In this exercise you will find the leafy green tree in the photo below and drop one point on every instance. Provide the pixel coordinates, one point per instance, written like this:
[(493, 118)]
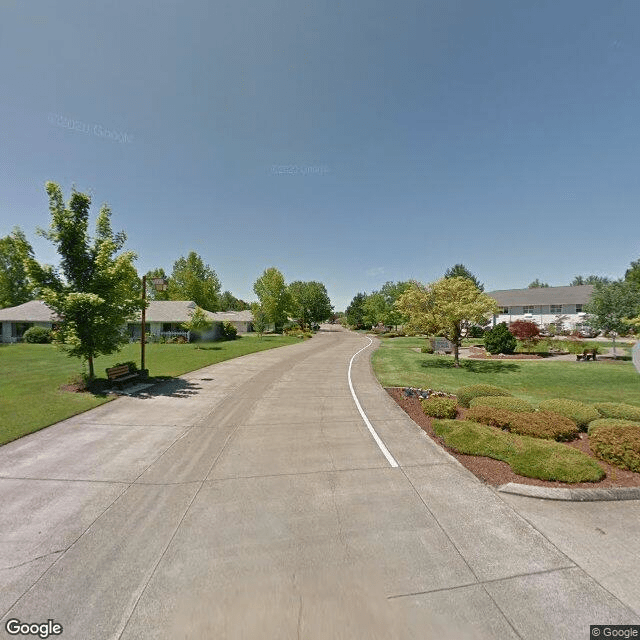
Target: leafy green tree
[(15, 287), (355, 311), (632, 274), (459, 270), (198, 322), (374, 309), (500, 339), (152, 292), (192, 279), (445, 307), (613, 306), (311, 302), (592, 279), (228, 302), (259, 319), (96, 290), (274, 295), (391, 292), (536, 284)]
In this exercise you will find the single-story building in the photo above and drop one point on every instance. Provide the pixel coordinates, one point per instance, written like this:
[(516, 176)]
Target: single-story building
[(560, 306), (241, 320), (16, 320)]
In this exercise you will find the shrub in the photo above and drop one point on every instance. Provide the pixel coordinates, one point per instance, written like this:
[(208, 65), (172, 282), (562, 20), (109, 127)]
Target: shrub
[(501, 402), (582, 414), (426, 349), (492, 417), (618, 410), (475, 331), (610, 422), (37, 335), (500, 339), (544, 424), (618, 445), (467, 394), (229, 331), (530, 457), (440, 407), (527, 331)]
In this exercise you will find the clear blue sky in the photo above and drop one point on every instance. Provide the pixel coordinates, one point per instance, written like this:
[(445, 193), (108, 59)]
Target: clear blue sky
[(347, 142)]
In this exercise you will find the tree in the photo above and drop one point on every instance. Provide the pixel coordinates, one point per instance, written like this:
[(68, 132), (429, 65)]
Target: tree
[(613, 306), (459, 270), (228, 302), (444, 307), (500, 339), (96, 290), (391, 292), (373, 309), (632, 274), (152, 292), (15, 287), (259, 319), (527, 331), (311, 302), (198, 322), (355, 311), (536, 284), (192, 279), (592, 279), (274, 295)]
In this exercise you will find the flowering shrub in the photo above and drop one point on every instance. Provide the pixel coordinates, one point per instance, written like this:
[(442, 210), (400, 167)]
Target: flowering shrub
[(618, 445)]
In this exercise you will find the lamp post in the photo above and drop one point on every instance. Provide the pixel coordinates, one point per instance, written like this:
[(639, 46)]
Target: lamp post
[(159, 284)]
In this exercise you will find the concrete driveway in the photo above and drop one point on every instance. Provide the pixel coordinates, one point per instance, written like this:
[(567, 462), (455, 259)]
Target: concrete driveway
[(250, 500)]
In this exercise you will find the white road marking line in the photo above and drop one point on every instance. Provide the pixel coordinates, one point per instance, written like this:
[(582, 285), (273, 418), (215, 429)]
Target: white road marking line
[(390, 459)]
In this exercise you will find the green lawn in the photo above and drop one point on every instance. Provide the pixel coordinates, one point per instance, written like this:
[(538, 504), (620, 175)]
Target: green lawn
[(396, 364), (32, 374)]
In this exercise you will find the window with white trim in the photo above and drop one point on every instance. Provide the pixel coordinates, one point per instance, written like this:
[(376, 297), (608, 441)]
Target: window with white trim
[(528, 309), (556, 308), (578, 308)]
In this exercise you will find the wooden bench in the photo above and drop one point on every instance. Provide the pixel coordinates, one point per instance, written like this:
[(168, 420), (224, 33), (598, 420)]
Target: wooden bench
[(587, 354), (120, 374)]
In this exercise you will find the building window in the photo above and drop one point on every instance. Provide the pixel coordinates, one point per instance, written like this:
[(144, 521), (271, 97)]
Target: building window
[(504, 310), (556, 308), (527, 309), (578, 308)]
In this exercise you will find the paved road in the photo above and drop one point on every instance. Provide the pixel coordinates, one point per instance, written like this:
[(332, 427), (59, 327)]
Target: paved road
[(249, 500)]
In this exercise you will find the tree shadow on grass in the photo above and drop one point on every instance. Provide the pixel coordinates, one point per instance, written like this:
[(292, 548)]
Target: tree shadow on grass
[(473, 366)]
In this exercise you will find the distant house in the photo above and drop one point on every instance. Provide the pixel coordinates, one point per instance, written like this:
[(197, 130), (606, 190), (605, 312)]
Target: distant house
[(162, 318), (16, 320), (544, 305), (241, 320)]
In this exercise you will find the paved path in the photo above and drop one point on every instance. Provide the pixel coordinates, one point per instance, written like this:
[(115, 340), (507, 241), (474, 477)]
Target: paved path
[(249, 500)]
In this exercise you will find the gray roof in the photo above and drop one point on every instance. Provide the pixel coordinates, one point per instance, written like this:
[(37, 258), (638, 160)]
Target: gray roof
[(33, 311), (542, 296), (233, 316), (172, 311)]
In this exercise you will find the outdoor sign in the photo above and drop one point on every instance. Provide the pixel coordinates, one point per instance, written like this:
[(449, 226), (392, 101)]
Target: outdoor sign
[(635, 353), (441, 344)]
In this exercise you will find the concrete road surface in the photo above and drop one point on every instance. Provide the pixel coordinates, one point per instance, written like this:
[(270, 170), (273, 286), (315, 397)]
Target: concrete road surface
[(250, 500)]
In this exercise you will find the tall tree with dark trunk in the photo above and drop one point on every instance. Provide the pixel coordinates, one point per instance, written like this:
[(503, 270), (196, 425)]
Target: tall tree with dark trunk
[(15, 287)]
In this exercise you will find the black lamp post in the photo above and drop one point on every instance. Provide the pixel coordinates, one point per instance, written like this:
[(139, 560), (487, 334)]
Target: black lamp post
[(159, 284)]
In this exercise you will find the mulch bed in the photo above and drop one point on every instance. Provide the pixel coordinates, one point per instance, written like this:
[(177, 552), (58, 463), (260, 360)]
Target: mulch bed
[(496, 472)]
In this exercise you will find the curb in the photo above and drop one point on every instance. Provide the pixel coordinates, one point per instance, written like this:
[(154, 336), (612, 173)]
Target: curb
[(571, 495)]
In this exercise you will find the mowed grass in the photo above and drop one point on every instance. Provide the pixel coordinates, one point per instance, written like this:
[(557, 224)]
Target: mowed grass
[(31, 376), (397, 364)]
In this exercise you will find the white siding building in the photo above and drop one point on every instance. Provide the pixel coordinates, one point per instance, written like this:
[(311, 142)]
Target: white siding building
[(544, 305), (16, 320)]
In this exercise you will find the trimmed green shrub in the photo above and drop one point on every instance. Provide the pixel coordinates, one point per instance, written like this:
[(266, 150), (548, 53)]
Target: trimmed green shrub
[(426, 349), (618, 410), (500, 339), (37, 335), (617, 445), (530, 457), (440, 407), (582, 414), (544, 424), (536, 424), (610, 422), (467, 394), (501, 402), (229, 331), (492, 417)]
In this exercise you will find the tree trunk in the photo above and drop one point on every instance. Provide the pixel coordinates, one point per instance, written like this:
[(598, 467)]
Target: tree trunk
[(91, 371)]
